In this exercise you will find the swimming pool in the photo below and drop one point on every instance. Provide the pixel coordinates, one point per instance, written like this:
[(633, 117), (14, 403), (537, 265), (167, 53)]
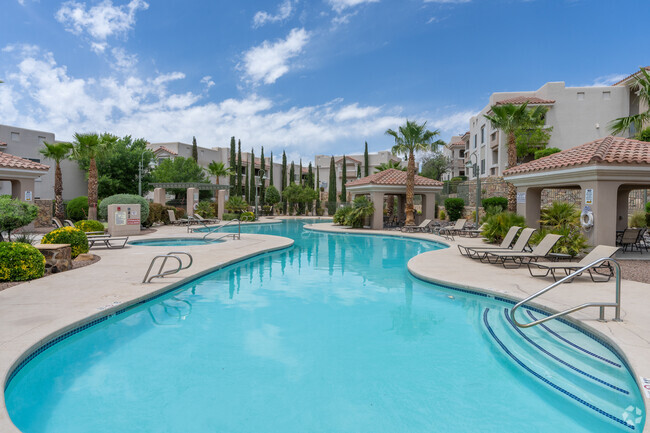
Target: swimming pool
[(174, 242), (331, 335)]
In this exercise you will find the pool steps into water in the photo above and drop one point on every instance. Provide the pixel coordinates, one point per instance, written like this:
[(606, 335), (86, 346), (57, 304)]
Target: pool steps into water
[(567, 361)]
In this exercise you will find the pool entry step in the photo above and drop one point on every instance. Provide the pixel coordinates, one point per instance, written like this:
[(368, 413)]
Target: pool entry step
[(567, 363)]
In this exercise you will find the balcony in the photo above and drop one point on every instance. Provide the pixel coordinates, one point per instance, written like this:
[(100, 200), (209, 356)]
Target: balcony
[(494, 140)]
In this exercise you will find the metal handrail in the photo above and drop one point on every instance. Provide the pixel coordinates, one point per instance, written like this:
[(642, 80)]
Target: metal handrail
[(169, 255), (216, 229), (602, 305)]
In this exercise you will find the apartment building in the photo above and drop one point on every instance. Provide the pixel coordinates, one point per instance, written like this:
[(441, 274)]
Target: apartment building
[(352, 163), (26, 143), (455, 153), (576, 114)]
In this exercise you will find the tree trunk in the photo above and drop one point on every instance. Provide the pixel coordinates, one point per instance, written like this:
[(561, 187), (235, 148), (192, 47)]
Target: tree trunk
[(512, 161), (92, 190), (410, 186), (58, 193)]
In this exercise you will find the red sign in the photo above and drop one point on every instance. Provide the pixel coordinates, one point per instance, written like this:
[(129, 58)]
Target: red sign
[(133, 221)]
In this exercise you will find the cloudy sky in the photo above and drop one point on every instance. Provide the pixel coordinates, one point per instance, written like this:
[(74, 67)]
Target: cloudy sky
[(308, 76)]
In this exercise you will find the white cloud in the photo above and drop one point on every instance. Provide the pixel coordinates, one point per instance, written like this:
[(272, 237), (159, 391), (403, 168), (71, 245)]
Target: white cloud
[(454, 122), (284, 11), (340, 5), (207, 81), (122, 60), (606, 80), (100, 21), (269, 61)]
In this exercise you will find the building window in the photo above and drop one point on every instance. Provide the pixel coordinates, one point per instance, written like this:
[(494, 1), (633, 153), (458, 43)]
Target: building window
[(581, 96), (15, 136), (482, 134), (461, 153), (34, 160), (482, 166), (41, 139), (475, 138), (461, 173), (607, 96)]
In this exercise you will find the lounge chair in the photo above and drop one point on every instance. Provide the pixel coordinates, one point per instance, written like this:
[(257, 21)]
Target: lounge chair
[(202, 220), (505, 244), (449, 232), (57, 222), (108, 241), (632, 239), (520, 246), (423, 227), (598, 252), (472, 233), (522, 258), (174, 221), (68, 223)]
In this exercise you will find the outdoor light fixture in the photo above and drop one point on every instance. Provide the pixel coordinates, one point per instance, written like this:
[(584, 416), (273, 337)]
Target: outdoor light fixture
[(474, 166)]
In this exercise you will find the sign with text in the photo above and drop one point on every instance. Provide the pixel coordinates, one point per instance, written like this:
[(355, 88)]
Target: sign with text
[(589, 196), (521, 197)]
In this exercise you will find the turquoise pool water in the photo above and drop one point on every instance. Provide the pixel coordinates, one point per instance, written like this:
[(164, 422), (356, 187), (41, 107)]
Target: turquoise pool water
[(174, 242), (331, 335)]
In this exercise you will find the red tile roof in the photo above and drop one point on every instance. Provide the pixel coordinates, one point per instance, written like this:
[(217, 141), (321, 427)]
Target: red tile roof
[(531, 100), (2, 143), (392, 176), (647, 68), (12, 161), (609, 150), (171, 152)]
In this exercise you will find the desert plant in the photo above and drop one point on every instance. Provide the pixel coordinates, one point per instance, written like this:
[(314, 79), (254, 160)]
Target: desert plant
[(230, 216), (236, 204), (362, 207), (68, 235), (492, 210), (15, 214), (89, 226), (572, 242), (77, 208), (442, 214), (247, 216), (497, 225), (637, 219), (205, 209), (559, 214), (125, 199), (341, 215), (495, 201), (20, 262), (57, 152), (454, 207), (25, 238)]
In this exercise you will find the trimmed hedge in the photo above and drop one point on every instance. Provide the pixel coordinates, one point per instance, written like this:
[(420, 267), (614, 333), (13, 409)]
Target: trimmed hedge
[(230, 216), (20, 262), (68, 235), (124, 199), (89, 226), (454, 207), (158, 214), (546, 152), (502, 202), (77, 208)]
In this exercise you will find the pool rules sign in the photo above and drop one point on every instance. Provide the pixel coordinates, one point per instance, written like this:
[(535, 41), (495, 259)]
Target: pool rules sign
[(123, 219)]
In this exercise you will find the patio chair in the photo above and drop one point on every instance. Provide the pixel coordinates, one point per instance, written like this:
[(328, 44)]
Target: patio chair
[(202, 220), (472, 233), (108, 241), (522, 258), (174, 221), (505, 244), (68, 223), (599, 252), (57, 223), (423, 227), (631, 239), (520, 246), (449, 231)]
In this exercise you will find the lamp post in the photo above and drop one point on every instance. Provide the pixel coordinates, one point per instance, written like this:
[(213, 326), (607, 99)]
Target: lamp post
[(140, 167), (258, 181), (474, 167)]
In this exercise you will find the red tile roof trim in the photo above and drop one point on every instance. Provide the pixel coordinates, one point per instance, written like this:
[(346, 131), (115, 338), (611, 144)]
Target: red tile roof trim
[(647, 68), (609, 150), (347, 158), (531, 100), (12, 161), (392, 176), (163, 148)]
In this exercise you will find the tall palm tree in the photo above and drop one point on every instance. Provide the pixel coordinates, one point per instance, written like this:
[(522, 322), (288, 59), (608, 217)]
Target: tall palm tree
[(388, 165), (218, 169), (412, 138), (57, 152), (509, 118), (91, 146), (642, 88)]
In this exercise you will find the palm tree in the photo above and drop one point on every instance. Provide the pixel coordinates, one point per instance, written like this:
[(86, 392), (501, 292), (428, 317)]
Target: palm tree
[(57, 152), (412, 138), (91, 146), (388, 165), (642, 87), (509, 118), (218, 169)]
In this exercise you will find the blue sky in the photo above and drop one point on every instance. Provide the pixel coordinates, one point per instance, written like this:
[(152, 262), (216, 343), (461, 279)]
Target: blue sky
[(311, 77)]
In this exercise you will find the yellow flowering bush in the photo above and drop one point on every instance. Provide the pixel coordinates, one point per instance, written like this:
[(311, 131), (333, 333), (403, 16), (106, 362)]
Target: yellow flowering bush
[(89, 226), (68, 235), (20, 262)]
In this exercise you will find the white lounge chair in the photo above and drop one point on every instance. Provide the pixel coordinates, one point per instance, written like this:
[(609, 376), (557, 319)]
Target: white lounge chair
[(423, 227), (522, 258), (598, 252), (505, 244)]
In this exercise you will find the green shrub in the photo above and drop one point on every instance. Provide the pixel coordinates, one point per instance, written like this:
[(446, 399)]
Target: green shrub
[(272, 196), (497, 225), (77, 208), (230, 216), (68, 235), (158, 214), (546, 152), (89, 226), (494, 202), (458, 179), (341, 215), (442, 215), (205, 209), (247, 216), (362, 207), (15, 214), (236, 204), (637, 219), (559, 214), (124, 199), (20, 262), (572, 242), (454, 207), (647, 207), (647, 219)]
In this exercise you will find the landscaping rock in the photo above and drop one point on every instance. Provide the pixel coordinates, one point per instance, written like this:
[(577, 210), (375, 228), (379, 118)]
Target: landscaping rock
[(58, 257), (86, 257)]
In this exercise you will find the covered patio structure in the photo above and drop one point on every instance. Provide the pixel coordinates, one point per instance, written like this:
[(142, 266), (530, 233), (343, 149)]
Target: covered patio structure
[(393, 182), (193, 189), (605, 171), (21, 174)]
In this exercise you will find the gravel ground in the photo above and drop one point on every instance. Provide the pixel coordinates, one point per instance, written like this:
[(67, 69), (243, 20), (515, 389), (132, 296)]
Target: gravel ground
[(75, 265), (635, 270)]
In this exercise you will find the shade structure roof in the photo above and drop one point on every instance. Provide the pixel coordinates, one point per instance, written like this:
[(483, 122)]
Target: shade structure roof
[(530, 100), (165, 149), (16, 162), (393, 180)]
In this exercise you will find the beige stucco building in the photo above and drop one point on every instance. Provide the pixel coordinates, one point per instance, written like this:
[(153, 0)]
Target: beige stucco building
[(455, 153)]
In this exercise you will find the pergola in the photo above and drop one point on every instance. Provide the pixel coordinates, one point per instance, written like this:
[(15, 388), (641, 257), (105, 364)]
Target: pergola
[(605, 170), (393, 182), (192, 193), (21, 173)]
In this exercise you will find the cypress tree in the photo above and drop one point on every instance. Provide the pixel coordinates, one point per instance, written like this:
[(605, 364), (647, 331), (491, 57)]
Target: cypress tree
[(331, 196), (271, 168), (284, 180), (344, 180), (292, 174), (318, 190), (195, 150), (366, 162), (263, 170), (233, 167), (358, 171), (310, 176), (300, 174), (251, 182), (240, 190)]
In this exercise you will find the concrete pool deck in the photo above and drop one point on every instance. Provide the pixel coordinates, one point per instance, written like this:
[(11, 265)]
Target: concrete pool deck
[(448, 267), (32, 313)]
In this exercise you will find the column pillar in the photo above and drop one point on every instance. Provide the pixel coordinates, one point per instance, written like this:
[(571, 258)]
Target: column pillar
[(192, 199), (377, 221), (605, 212), (159, 195), (622, 206), (530, 209), (221, 202), (429, 206)]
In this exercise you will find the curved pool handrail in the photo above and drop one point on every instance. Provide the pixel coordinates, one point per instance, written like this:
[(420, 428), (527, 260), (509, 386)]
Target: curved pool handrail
[(602, 305), (216, 229), (164, 258)]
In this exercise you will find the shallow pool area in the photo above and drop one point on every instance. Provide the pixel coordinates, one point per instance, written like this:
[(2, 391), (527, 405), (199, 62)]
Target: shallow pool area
[(332, 334), (174, 242)]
